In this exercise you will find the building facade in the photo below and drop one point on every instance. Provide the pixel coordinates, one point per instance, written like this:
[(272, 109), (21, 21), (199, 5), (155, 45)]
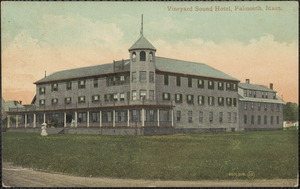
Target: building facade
[(157, 95)]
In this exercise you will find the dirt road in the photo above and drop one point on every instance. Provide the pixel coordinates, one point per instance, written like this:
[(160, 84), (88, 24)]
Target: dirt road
[(14, 176)]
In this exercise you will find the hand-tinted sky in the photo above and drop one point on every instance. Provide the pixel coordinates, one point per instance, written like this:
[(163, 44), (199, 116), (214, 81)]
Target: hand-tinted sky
[(39, 36)]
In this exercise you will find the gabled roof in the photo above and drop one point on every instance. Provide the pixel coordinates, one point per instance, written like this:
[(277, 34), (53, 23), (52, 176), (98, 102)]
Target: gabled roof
[(191, 68), (255, 87), (162, 64), (11, 104), (86, 72), (142, 43)]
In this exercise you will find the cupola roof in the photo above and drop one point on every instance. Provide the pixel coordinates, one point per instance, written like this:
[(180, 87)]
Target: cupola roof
[(142, 43)]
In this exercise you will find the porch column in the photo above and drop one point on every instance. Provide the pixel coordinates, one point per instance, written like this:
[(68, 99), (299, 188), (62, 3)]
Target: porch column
[(25, 120), (8, 121), (158, 117), (34, 120), (172, 116), (143, 117), (17, 121), (128, 117), (100, 118), (75, 119), (44, 118), (65, 119), (88, 119), (114, 119)]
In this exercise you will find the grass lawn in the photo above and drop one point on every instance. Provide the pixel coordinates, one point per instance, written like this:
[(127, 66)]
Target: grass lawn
[(237, 155)]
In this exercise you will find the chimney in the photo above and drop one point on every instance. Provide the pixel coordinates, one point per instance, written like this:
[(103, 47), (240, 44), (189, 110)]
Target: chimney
[(248, 81), (20, 102), (15, 102), (271, 86)]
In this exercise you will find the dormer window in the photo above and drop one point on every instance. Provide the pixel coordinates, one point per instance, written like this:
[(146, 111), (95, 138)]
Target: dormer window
[(142, 56), (133, 57)]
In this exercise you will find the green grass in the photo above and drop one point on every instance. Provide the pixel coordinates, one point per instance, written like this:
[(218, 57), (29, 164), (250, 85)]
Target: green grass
[(268, 154)]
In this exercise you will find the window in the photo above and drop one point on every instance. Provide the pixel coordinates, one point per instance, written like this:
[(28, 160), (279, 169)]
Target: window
[(190, 99), (245, 105), (265, 106), (42, 90), (106, 97), (133, 57), (81, 84), (200, 116), (210, 85), (95, 98), (151, 77), (234, 102), (259, 106), (151, 56), (262, 95), (190, 116), (178, 97), (54, 101), (274, 95), (211, 116), (266, 93), (234, 117), (259, 120), (220, 117), (200, 83), (69, 85), (190, 82), (81, 117), (94, 116), (151, 115), (133, 76), (254, 94), (116, 96), (229, 117), (271, 120), (277, 107), (221, 101), (272, 107), (265, 120), (166, 96), (120, 116), (42, 102), (134, 95), (234, 87), (252, 105), (228, 87), (220, 85), (151, 94), (211, 100), (68, 100), (250, 93), (143, 94), (277, 120), (245, 92), (142, 56), (178, 81), (201, 100), (95, 82), (166, 79), (122, 79), (229, 101), (142, 76), (252, 119), (122, 96), (81, 99), (178, 115), (54, 87), (245, 119)]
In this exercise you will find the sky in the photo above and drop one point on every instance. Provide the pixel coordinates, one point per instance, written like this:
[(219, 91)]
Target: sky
[(260, 45)]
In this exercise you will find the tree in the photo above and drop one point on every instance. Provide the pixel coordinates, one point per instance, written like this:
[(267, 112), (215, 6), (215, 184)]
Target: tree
[(290, 112)]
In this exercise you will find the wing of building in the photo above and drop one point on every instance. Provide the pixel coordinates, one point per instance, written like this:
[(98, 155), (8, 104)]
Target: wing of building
[(144, 94)]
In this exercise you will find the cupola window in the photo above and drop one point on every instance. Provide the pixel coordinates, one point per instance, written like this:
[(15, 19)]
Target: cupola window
[(133, 57), (142, 56), (151, 57)]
